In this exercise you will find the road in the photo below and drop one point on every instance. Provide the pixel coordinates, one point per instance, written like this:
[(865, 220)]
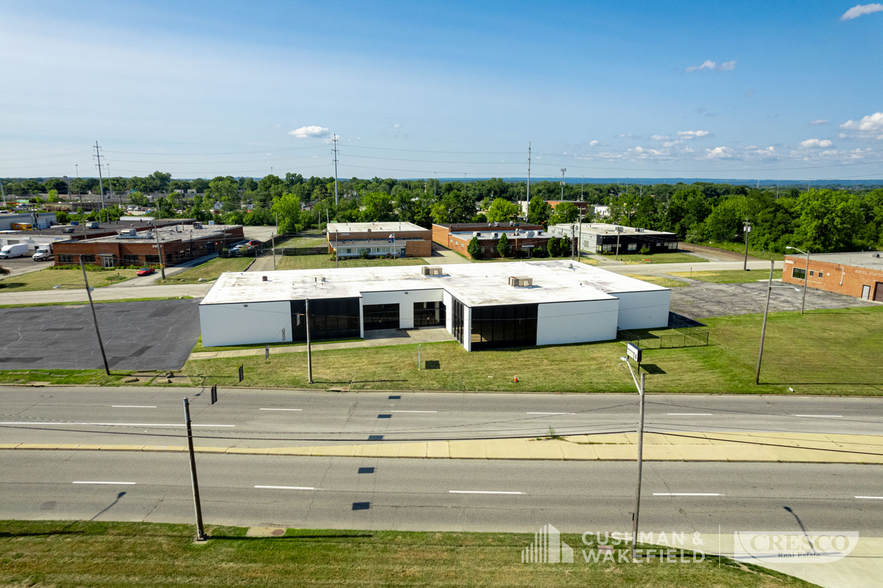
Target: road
[(443, 495), (273, 418)]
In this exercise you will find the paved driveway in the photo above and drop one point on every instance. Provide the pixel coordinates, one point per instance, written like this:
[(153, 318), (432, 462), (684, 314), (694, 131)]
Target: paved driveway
[(151, 335)]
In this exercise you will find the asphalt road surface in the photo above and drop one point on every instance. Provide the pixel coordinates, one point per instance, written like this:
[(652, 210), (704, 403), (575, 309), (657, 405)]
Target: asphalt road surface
[(277, 418), (444, 495), (146, 335)]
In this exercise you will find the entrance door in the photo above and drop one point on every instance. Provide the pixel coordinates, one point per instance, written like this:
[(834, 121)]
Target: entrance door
[(866, 292), (107, 261), (429, 314), (381, 316), (878, 292)]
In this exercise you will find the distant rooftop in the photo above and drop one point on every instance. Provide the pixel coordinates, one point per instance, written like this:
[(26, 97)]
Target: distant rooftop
[(497, 226), (866, 259), (376, 226), (168, 233), (606, 229), (473, 284), (512, 233)]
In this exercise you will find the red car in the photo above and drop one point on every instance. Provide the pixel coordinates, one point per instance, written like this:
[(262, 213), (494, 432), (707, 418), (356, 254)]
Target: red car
[(254, 243), (145, 271)]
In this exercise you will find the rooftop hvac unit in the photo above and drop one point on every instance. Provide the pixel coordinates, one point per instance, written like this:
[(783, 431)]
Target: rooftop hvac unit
[(197, 225), (530, 233), (431, 270), (496, 235), (128, 233), (517, 282), (476, 234)]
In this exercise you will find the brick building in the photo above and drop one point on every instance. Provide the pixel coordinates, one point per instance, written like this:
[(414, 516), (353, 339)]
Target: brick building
[(379, 239), (603, 238), (520, 235), (179, 243), (854, 274)]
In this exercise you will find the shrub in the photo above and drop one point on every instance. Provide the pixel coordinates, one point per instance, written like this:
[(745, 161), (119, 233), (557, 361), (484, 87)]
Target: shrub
[(474, 248), (365, 253), (645, 250)]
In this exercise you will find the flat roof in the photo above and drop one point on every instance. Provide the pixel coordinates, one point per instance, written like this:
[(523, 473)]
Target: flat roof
[(474, 284), (103, 228), (370, 242), (488, 234), (606, 229), (496, 226), (865, 259), (168, 233), (376, 226)]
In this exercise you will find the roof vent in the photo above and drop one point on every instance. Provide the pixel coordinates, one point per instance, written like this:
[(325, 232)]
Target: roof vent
[(522, 282), (530, 233), (431, 270), (263, 278), (876, 255)]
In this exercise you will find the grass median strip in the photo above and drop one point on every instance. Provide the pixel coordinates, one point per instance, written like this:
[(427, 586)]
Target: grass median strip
[(730, 276), (65, 553)]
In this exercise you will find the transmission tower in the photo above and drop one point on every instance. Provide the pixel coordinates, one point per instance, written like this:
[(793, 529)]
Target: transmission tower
[(335, 151), (100, 179)]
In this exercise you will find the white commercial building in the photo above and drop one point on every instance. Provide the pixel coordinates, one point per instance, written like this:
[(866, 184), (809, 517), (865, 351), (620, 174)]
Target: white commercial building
[(485, 306)]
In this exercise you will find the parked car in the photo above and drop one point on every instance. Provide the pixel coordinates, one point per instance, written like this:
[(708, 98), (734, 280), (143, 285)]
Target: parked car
[(254, 242), (17, 250), (145, 271), (67, 230)]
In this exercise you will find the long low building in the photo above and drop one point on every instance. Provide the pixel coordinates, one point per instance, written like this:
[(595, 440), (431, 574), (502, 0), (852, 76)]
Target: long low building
[(604, 238), (485, 306), (858, 274), (379, 239), (456, 237)]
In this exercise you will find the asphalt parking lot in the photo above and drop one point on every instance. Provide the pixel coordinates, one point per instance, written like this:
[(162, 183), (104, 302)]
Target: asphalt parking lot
[(703, 299), (151, 335), (23, 265)]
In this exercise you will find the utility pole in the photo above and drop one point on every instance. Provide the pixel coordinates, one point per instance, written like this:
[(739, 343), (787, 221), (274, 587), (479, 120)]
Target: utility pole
[(563, 169), (109, 182), (581, 186), (94, 316), (335, 151), (200, 532), (640, 467), (763, 329), (3, 193), (579, 253), (274, 240), (747, 229), (100, 181), (572, 241), (309, 351), (162, 266), (528, 175)]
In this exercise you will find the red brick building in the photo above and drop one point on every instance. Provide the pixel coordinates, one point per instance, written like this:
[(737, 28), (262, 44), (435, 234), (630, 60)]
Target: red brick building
[(379, 239), (520, 235), (139, 248), (854, 274)]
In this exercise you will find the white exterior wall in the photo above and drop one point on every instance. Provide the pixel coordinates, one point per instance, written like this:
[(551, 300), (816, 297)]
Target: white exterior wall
[(448, 301), (643, 310), (577, 322), (467, 327), (405, 300), (244, 324)]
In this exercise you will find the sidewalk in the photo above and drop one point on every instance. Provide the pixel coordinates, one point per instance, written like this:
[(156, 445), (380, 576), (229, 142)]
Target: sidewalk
[(106, 293)]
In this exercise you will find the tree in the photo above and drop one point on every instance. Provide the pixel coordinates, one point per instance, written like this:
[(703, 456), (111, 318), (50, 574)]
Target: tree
[(62, 217), (565, 212), (52, 196), (377, 207), (538, 211), (501, 210), (503, 246), (474, 248), (56, 184), (138, 199), (553, 247), (564, 246), (287, 207)]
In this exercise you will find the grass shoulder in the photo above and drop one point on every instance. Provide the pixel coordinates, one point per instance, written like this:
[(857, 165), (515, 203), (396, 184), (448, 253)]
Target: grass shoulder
[(639, 259), (658, 280), (199, 348), (83, 303), (63, 377), (64, 279), (209, 270), (740, 248), (86, 553), (298, 262), (729, 276)]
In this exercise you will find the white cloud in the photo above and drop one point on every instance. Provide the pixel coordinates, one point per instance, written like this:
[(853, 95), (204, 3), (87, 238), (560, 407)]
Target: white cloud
[(659, 137), (593, 143), (671, 143), (719, 153), (861, 10), (871, 124), (314, 131), (712, 65), (816, 143), (692, 134), (821, 121), (396, 125)]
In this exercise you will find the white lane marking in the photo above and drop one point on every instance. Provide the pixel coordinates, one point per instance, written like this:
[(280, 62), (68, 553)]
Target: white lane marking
[(551, 413), (820, 416), (286, 409), (689, 414), (112, 483), (686, 494), (109, 424), (423, 411), (129, 406), (286, 487), (481, 492), (870, 497)]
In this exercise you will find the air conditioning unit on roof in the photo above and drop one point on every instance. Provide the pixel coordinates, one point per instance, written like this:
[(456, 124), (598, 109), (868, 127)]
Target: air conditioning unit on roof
[(522, 282), (431, 270)]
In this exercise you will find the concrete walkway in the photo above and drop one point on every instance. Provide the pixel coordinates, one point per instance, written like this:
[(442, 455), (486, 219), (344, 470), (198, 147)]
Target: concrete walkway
[(443, 256), (103, 294), (375, 339), (686, 446)]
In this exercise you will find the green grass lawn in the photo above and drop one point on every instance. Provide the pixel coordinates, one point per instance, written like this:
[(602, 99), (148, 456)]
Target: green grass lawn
[(293, 262), (730, 276), (659, 280), (637, 258), (64, 377), (740, 248), (94, 302), (825, 344), (66, 279), (209, 270), (82, 554), (310, 239), (199, 348)]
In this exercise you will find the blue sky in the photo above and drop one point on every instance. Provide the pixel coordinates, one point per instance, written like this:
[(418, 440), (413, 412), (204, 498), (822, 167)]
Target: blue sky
[(749, 90)]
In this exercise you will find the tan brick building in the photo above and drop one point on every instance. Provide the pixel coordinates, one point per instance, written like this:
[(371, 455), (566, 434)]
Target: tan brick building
[(854, 274), (179, 243), (520, 235), (379, 239)]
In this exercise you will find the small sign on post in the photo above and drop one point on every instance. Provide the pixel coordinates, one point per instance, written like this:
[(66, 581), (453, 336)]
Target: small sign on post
[(214, 393), (634, 352), (241, 373), (267, 352)]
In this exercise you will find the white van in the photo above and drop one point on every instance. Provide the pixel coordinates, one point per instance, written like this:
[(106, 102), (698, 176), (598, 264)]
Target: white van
[(17, 250)]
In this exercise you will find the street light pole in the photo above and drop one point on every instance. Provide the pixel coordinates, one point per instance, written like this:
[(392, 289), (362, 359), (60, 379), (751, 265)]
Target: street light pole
[(640, 454), (162, 267), (766, 311), (805, 276), (200, 531), (747, 229), (94, 317)]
